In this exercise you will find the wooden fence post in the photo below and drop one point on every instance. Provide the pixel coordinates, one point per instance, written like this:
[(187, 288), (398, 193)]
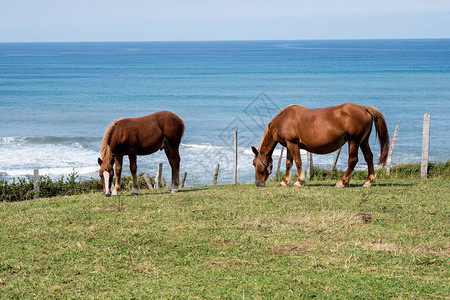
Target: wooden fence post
[(147, 181), (184, 179), (158, 176), (336, 157), (309, 166), (391, 150), (36, 183), (216, 174), (425, 146), (235, 157), (279, 160)]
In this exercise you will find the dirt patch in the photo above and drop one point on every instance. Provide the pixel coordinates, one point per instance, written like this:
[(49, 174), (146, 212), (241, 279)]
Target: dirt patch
[(290, 249), (106, 208), (383, 247), (366, 218), (225, 264), (225, 243)]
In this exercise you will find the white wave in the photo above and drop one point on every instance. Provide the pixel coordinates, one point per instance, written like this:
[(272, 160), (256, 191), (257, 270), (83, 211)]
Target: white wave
[(16, 157), (12, 140)]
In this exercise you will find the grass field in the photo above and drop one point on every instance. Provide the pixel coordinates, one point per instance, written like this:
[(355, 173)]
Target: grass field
[(239, 242)]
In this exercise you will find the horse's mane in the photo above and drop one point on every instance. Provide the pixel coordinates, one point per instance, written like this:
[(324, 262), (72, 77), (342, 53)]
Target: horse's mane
[(263, 137), (267, 128), (105, 150)]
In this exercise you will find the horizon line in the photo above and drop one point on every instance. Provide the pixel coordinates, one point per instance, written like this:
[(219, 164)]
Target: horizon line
[(227, 40)]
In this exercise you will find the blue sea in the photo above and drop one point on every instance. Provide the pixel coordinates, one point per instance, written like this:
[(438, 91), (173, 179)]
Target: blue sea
[(57, 99)]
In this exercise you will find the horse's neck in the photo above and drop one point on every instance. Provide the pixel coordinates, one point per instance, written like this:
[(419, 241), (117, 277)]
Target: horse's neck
[(267, 144), (107, 154)]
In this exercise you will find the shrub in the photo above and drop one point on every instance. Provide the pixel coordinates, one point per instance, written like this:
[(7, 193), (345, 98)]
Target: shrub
[(20, 189)]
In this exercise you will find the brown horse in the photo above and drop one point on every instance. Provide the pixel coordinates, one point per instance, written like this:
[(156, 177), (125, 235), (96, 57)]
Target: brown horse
[(321, 131), (140, 136)]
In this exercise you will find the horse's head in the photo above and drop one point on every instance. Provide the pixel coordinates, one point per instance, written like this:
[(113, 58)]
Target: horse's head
[(262, 169), (107, 175)]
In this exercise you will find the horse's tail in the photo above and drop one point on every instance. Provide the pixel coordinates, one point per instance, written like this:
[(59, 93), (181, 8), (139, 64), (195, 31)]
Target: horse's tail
[(381, 132)]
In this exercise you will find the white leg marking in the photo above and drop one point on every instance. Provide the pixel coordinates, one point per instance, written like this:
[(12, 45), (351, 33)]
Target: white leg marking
[(298, 184), (106, 179), (302, 175)]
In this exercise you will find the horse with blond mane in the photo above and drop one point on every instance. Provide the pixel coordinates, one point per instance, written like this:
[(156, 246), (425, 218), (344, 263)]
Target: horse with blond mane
[(139, 136), (321, 131)]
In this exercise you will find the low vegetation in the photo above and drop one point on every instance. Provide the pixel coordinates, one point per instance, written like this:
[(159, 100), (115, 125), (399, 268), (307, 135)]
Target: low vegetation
[(233, 241), (400, 171), (23, 188)]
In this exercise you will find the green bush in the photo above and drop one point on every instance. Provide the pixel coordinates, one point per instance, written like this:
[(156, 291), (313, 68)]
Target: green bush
[(20, 189)]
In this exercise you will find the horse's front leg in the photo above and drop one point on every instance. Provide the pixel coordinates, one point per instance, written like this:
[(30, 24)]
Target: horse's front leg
[(289, 163), (133, 170), (295, 152), (118, 162)]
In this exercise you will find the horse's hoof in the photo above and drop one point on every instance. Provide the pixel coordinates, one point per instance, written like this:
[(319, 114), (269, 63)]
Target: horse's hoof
[(283, 183), (367, 184), (134, 191), (114, 193), (339, 185), (173, 191), (298, 184)]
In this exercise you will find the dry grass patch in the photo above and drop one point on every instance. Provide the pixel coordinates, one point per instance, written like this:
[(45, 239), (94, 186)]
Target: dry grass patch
[(292, 249), (377, 246)]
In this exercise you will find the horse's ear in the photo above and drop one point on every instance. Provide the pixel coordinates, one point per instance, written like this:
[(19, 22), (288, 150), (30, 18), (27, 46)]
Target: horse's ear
[(255, 150), (99, 161)]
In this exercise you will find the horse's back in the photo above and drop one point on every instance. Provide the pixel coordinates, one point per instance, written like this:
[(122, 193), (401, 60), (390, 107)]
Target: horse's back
[(336, 115), (147, 134), (164, 121), (321, 130)]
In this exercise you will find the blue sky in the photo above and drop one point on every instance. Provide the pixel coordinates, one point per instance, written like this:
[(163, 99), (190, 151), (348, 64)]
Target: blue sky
[(175, 20)]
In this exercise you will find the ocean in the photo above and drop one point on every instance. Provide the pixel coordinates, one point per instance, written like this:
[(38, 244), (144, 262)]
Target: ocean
[(57, 99)]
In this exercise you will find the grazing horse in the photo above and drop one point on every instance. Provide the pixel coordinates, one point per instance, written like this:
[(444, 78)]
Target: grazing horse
[(140, 136), (321, 131)]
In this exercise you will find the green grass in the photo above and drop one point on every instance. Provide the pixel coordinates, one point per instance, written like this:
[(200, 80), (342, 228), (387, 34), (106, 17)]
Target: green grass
[(388, 241)]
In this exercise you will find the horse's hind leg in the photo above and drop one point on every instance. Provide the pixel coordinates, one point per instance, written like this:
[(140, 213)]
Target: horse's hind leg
[(119, 163), (173, 156), (368, 156), (133, 170), (352, 161), (294, 149), (287, 175)]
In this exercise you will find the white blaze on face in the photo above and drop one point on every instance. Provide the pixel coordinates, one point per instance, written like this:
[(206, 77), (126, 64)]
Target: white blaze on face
[(106, 179)]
